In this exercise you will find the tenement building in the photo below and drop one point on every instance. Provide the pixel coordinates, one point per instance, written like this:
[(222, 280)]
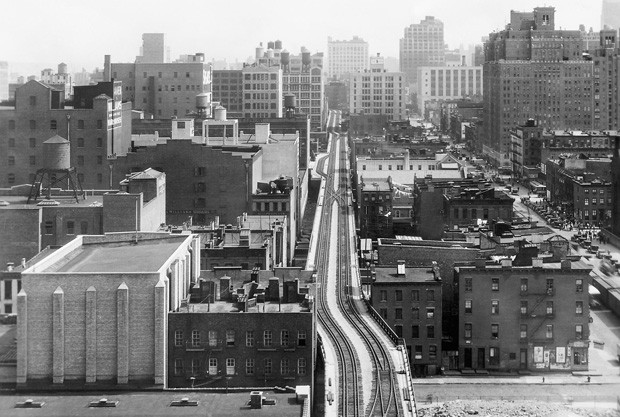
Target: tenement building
[(533, 317)]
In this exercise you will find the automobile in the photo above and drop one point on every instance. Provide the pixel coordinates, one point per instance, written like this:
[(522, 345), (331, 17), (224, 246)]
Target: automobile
[(585, 244), (599, 253), (514, 191), (593, 249)]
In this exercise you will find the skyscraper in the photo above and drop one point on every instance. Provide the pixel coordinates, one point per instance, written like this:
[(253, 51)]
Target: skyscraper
[(346, 57), (532, 70), (422, 46), (153, 50), (610, 14)]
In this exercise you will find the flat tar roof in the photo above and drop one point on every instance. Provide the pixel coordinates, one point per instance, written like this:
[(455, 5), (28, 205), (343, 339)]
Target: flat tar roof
[(144, 256), (230, 307)]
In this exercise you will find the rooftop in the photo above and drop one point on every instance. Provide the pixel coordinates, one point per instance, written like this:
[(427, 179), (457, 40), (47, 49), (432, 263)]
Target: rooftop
[(389, 274), (109, 254)]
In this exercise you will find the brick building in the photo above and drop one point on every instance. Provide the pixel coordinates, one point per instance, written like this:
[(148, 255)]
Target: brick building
[(228, 91), (409, 300), (524, 317), (374, 198), (244, 328), (526, 145), (95, 311), (98, 127)]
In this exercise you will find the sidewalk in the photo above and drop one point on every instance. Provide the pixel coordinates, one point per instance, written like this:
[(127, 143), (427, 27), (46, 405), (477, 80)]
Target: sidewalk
[(516, 379)]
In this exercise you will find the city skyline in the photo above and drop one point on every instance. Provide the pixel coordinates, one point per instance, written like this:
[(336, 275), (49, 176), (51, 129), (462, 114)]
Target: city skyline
[(117, 28)]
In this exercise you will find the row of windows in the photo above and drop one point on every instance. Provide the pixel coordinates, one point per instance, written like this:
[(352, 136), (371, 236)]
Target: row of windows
[(11, 178), (549, 285), (54, 124), (468, 331), (250, 338), (33, 142), (195, 367), (270, 206), (415, 313), (549, 310), (415, 295)]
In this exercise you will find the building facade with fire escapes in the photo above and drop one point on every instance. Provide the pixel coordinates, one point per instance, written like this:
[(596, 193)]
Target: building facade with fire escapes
[(524, 318)]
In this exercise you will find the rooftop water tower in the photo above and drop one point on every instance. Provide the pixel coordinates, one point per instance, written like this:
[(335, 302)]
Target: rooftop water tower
[(56, 171)]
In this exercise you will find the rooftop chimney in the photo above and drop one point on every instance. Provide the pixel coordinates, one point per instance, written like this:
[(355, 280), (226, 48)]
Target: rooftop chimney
[(566, 264), (400, 267)]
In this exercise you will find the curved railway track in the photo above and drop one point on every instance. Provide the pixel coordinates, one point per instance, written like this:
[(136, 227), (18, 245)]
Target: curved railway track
[(385, 399)]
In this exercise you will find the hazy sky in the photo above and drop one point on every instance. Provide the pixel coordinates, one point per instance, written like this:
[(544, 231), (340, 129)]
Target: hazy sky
[(80, 32)]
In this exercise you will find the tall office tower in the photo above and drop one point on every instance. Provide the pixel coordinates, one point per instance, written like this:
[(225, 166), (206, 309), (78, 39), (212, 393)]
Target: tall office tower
[(422, 46), (533, 71), (610, 14), (4, 80), (344, 57), (153, 50), (606, 81)]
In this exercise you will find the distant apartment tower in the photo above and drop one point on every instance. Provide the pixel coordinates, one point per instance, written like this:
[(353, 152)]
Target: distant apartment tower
[(443, 83), (422, 46), (610, 14), (153, 50), (533, 71), (377, 92), (302, 76), (606, 58), (4, 80), (228, 91), (346, 57), (262, 91), (164, 90)]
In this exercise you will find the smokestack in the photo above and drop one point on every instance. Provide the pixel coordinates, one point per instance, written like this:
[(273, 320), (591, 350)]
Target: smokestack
[(107, 68)]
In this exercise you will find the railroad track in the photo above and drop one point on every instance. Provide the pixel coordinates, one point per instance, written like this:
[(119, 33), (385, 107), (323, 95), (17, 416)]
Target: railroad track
[(385, 400)]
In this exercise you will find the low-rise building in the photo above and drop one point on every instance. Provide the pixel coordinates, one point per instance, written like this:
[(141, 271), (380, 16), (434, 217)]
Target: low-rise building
[(244, 328), (409, 300), (533, 317)]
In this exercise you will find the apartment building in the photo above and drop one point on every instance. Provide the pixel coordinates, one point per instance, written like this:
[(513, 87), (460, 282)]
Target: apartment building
[(346, 56), (422, 46)]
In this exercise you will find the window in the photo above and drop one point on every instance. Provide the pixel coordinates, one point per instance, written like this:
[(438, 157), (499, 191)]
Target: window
[(11, 124), (430, 295), (10, 177), (523, 307), (523, 284), (80, 124), (99, 124), (495, 330), (80, 160), (494, 306), (11, 160), (399, 295), (523, 332), (550, 286), (415, 313), (70, 227), (383, 313), (493, 356), (549, 331), (415, 331), (430, 312), (415, 295), (579, 307), (430, 332), (284, 367), (468, 331), (398, 329), (432, 352), (494, 284), (301, 338), (99, 160), (53, 125), (33, 142), (80, 142), (195, 366), (284, 337), (579, 285), (99, 142), (195, 338), (212, 337), (11, 142), (383, 294), (549, 308), (33, 124), (230, 366), (398, 313), (578, 331), (468, 306), (301, 366), (178, 337), (230, 338), (212, 366), (468, 285), (178, 366), (33, 160), (249, 366), (49, 227), (268, 366), (267, 338), (249, 338)]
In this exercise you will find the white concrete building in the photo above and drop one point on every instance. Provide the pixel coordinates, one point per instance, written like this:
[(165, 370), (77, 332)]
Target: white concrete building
[(262, 91), (344, 57), (448, 83)]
